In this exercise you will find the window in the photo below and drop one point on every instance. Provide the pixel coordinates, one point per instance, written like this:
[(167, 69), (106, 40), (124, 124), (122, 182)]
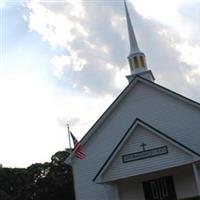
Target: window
[(142, 61), (136, 62), (131, 63)]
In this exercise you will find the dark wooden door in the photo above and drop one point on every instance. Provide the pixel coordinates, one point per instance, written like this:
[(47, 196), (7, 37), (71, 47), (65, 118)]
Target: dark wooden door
[(160, 189)]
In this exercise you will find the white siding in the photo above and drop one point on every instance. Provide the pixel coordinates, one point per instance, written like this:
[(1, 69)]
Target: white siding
[(111, 191), (185, 183), (132, 189), (119, 170), (168, 114)]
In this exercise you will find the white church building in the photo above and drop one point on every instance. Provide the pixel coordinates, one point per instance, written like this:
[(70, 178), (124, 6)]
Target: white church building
[(145, 146)]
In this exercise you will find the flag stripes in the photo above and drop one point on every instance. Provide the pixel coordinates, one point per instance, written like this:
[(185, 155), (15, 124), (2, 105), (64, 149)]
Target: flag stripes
[(77, 147)]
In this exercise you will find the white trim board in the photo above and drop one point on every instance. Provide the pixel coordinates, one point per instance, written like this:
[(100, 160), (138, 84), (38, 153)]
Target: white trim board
[(194, 156)]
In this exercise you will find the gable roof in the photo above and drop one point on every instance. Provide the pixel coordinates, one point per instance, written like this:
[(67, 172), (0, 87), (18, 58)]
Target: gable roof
[(121, 96), (152, 129)]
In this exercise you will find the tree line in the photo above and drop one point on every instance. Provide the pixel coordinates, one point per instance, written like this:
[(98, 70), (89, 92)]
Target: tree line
[(41, 181)]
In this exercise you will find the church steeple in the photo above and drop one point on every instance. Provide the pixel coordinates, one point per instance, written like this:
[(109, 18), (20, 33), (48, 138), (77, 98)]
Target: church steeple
[(132, 39), (136, 58)]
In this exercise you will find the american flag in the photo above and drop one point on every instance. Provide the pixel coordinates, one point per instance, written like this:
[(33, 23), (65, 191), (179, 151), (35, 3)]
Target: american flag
[(77, 147)]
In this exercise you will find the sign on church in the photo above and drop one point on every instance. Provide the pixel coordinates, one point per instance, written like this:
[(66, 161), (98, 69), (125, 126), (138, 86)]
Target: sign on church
[(145, 154)]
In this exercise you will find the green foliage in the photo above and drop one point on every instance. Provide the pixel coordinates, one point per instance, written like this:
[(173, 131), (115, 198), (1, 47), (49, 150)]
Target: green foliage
[(194, 198), (47, 181)]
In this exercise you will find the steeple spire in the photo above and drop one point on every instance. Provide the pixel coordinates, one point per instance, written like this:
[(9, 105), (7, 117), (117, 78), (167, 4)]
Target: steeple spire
[(136, 57), (132, 39)]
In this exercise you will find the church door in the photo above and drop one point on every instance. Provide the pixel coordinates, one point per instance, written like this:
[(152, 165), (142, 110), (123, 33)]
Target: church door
[(160, 189)]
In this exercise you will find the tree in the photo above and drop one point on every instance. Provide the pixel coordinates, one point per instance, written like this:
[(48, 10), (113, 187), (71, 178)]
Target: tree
[(48, 181), (4, 195)]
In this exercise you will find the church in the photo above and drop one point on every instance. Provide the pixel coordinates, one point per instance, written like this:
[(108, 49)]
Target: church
[(145, 146)]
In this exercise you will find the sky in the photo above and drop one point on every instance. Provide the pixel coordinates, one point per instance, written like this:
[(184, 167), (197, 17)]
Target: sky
[(66, 61)]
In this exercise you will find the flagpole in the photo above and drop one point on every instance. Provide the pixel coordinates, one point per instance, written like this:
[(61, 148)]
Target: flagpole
[(70, 147), (68, 131)]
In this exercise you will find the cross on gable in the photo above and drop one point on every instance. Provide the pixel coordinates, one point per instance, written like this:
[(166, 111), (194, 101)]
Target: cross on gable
[(143, 145)]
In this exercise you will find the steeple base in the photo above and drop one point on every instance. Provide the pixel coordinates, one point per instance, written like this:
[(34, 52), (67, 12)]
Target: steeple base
[(146, 74)]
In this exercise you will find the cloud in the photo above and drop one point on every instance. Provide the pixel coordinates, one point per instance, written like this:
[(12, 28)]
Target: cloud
[(190, 54), (95, 42), (81, 61), (59, 62), (54, 28), (172, 45), (90, 42)]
